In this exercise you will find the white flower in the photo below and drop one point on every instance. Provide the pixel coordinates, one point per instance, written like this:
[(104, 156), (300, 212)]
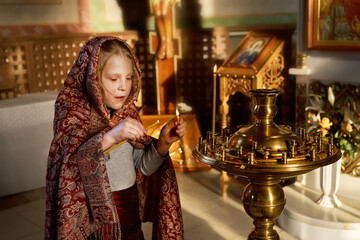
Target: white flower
[(313, 120), (350, 118), (316, 103)]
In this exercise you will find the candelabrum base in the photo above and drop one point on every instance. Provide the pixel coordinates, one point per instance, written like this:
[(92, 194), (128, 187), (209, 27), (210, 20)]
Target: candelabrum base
[(264, 201)]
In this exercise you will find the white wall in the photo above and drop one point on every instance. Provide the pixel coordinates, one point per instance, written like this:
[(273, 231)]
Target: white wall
[(25, 136), (215, 8), (341, 67)]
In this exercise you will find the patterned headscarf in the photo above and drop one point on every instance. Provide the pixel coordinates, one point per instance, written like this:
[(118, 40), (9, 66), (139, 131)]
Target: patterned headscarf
[(79, 200)]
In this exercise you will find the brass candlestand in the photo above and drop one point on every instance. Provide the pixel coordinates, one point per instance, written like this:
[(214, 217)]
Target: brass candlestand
[(265, 153)]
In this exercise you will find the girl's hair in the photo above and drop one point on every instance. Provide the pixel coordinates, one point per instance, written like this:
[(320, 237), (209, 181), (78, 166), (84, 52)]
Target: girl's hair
[(110, 48)]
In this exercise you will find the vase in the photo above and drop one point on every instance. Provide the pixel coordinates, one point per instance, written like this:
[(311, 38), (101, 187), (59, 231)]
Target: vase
[(329, 183)]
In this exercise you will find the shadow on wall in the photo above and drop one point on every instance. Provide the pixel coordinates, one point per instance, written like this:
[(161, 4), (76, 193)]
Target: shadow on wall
[(188, 14), (135, 14)]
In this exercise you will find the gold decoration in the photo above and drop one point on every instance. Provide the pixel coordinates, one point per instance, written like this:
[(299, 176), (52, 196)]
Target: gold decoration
[(238, 85), (273, 78), (244, 70), (350, 165), (301, 60), (266, 153), (180, 151)]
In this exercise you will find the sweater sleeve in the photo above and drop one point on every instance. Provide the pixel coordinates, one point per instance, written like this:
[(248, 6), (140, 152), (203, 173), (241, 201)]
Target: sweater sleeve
[(147, 160)]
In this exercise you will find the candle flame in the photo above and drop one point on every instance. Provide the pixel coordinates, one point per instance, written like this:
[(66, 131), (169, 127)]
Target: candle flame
[(177, 117), (215, 68)]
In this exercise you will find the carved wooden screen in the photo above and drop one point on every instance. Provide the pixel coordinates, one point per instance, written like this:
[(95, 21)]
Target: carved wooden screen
[(52, 59), (41, 63), (201, 51), (14, 71), (147, 65), (346, 95)]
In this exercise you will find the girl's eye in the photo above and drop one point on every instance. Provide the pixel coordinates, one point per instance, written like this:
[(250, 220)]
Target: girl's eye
[(130, 78)]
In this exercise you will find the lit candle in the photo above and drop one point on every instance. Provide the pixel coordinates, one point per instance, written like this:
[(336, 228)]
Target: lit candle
[(214, 103), (177, 117)]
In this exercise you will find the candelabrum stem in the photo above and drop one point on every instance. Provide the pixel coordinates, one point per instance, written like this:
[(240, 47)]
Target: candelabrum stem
[(264, 201)]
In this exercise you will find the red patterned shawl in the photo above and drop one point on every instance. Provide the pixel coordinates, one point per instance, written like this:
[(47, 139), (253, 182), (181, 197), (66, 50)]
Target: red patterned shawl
[(78, 194)]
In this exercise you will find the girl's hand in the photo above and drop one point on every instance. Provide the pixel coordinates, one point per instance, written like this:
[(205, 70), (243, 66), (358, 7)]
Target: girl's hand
[(127, 129), (170, 133)]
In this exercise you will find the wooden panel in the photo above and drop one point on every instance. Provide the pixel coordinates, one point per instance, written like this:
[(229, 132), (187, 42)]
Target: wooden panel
[(180, 151), (346, 95), (13, 55), (147, 65), (202, 49), (41, 63), (51, 60)]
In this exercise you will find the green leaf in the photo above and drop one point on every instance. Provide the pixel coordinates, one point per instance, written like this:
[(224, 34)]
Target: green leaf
[(315, 95)]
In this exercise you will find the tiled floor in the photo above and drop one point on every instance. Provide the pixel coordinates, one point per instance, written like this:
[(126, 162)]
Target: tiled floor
[(206, 214)]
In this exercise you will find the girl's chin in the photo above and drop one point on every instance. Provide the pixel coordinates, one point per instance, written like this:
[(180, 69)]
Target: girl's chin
[(116, 106)]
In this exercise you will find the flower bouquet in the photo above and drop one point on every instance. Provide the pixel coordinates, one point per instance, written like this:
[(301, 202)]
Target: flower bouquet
[(339, 123)]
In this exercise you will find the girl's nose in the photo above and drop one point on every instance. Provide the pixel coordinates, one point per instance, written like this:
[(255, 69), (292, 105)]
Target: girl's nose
[(122, 84)]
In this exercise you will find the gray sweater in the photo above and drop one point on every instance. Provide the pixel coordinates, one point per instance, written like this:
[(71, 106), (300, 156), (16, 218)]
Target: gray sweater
[(121, 163)]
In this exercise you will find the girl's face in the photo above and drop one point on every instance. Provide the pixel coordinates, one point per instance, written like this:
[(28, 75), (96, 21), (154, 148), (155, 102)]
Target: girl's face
[(116, 78)]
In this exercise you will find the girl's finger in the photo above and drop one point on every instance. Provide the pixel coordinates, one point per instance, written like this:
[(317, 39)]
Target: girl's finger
[(135, 124)]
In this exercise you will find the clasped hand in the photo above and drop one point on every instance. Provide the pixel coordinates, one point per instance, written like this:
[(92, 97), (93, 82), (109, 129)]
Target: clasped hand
[(132, 129)]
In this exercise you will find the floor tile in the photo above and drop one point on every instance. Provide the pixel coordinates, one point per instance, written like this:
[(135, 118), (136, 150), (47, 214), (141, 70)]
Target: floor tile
[(36, 236), (16, 227), (34, 212)]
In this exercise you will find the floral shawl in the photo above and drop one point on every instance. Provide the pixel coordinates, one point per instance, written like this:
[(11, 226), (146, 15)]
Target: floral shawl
[(78, 195)]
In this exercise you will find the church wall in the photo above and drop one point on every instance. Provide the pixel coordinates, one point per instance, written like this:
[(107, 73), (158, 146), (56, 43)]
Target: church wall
[(333, 66), (244, 14), (76, 16), (341, 66), (33, 18)]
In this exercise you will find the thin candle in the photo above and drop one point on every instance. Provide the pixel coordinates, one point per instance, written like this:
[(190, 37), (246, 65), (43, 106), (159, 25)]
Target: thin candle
[(177, 117), (214, 102), (115, 146)]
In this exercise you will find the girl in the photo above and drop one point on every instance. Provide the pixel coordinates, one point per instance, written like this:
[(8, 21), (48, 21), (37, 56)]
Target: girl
[(95, 196)]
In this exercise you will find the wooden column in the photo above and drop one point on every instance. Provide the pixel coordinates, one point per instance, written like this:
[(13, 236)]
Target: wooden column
[(166, 70)]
